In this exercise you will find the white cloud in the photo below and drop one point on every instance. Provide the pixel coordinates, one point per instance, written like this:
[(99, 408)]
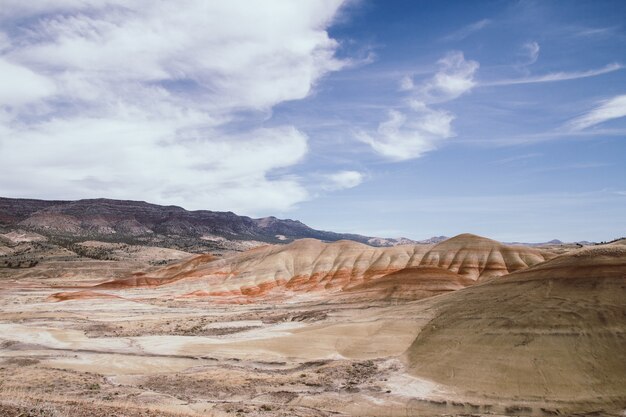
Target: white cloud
[(454, 78), (19, 85), (467, 30), (133, 99), (410, 133), (613, 108), (155, 164), (532, 50), (595, 32), (253, 57), (406, 83), (343, 179), (556, 76)]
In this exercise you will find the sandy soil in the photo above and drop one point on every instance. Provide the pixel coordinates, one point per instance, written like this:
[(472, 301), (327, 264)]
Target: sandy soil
[(189, 357)]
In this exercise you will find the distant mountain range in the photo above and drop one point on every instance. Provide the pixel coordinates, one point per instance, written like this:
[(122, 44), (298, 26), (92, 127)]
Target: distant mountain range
[(139, 222), (553, 242)]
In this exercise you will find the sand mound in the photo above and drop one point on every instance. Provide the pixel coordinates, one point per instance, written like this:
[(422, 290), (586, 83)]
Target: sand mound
[(554, 332)]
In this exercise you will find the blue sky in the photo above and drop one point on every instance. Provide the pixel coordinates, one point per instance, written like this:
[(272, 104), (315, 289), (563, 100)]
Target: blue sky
[(389, 118)]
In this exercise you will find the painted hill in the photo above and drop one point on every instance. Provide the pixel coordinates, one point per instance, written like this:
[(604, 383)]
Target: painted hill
[(553, 333), (312, 266), (412, 283), (476, 257)]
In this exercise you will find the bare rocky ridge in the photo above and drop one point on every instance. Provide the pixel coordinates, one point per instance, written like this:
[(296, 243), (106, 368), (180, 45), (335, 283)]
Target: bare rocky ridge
[(138, 222)]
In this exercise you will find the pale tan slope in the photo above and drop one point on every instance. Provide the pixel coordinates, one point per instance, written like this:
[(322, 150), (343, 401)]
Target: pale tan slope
[(412, 283), (161, 276), (554, 332), (309, 265), (5, 250), (122, 251), (479, 258), (621, 242)]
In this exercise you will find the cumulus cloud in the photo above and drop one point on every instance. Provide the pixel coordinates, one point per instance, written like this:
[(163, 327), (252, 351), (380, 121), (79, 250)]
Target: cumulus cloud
[(342, 180), (135, 99), (408, 135), (613, 108), (454, 78), (419, 127)]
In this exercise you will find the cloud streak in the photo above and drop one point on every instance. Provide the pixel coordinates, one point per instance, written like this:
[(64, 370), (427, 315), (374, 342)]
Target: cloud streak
[(555, 76), (532, 50), (614, 108), (467, 31)]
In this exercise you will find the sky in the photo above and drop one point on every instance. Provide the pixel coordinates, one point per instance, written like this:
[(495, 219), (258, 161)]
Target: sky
[(385, 118)]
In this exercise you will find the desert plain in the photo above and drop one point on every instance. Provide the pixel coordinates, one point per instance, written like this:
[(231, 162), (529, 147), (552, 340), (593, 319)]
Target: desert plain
[(467, 326)]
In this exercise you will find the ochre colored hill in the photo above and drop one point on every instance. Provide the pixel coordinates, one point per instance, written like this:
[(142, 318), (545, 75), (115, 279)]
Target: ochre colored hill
[(411, 283), (479, 258), (555, 332), (312, 266)]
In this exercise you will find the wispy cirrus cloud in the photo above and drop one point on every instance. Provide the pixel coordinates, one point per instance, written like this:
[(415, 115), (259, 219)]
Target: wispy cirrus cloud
[(467, 31), (532, 50), (595, 31), (555, 76), (518, 158), (606, 110)]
